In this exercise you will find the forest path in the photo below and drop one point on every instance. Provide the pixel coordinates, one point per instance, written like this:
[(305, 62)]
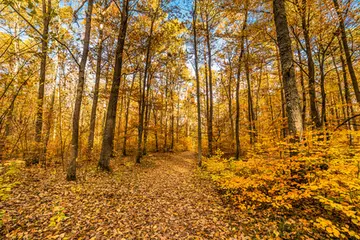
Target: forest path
[(163, 198)]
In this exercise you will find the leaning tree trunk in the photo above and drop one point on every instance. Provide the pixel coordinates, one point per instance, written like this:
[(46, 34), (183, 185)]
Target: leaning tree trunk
[(347, 51), (110, 122), (288, 72), (71, 173)]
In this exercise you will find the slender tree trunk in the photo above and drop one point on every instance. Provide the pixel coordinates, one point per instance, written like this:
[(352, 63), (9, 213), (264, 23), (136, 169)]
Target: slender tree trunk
[(46, 9), (147, 115), (199, 156), (96, 94), (71, 173), (349, 106), (237, 91), (211, 98), (347, 51), (343, 103), (172, 123), (230, 104), (251, 115), (288, 72), (303, 90), (282, 94), (146, 71), (110, 123), (121, 110), (323, 92), (156, 131), (166, 115), (48, 127), (269, 98), (127, 115), (311, 67)]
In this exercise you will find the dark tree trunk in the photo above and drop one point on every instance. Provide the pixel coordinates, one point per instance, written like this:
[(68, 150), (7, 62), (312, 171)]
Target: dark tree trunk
[(110, 123), (282, 95), (156, 131), (127, 115), (48, 127), (237, 91), (96, 94), (303, 90), (142, 105), (311, 67), (211, 98), (199, 156), (347, 51), (71, 173), (251, 115), (46, 9)]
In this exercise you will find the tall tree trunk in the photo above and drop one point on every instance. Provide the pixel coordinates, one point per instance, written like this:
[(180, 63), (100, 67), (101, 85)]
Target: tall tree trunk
[(349, 106), (148, 107), (110, 123), (251, 115), (311, 66), (71, 173), (230, 104), (146, 71), (48, 127), (347, 51), (343, 103), (211, 98), (288, 72), (156, 130), (127, 115), (46, 10), (121, 110), (303, 90), (238, 78), (269, 99), (282, 95), (96, 94), (172, 123), (199, 156), (323, 92)]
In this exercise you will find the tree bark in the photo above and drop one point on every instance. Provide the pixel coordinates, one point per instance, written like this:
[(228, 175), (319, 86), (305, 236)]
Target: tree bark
[(142, 105), (127, 115), (251, 115), (303, 90), (198, 105), (110, 123), (46, 9), (96, 94), (288, 71), (211, 98), (311, 66), (347, 51), (238, 78), (71, 173)]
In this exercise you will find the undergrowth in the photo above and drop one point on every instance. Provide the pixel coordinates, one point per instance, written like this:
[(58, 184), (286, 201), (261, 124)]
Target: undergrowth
[(8, 175), (315, 194)]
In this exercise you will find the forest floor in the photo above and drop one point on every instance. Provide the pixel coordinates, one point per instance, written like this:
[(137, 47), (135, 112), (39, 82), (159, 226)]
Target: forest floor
[(162, 198)]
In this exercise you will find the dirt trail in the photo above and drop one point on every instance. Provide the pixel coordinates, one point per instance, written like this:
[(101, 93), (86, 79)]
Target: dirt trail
[(162, 198)]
